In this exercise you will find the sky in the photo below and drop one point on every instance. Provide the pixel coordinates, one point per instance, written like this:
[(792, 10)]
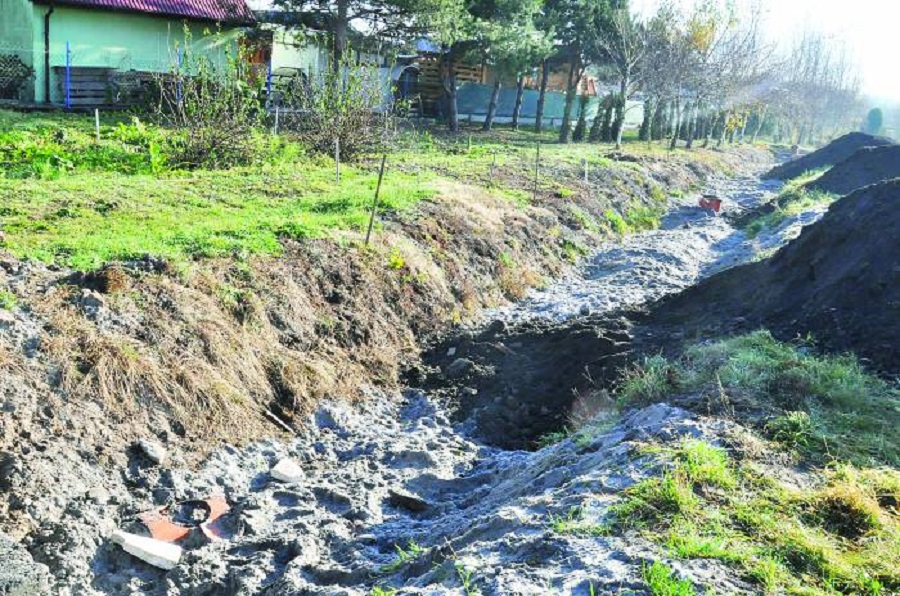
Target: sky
[(871, 29)]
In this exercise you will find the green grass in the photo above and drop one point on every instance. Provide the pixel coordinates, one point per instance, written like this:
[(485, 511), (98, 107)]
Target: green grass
[(69, 200), (842, 536), (85, 220), (8, 300), (793, 200), (825, 407), (662, 581)]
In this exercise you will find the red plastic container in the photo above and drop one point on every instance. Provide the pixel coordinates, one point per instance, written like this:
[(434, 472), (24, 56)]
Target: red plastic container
[(711, 203)]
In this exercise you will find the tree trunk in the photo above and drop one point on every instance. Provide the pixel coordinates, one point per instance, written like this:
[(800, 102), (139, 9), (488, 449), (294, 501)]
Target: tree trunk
[(658, 128), (595, 134), (492, 107), (724, 134), (743, 130), (620, 108), (647, 122), (520, 96), (448, 81), (693, 123), (571, 91), (676, 110), (341, 27), (581, 126), (759, 124), (542, 97), (606, 134)]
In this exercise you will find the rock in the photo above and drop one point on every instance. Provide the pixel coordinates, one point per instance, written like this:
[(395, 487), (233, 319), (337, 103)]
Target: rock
[(451, 352), (497, 327), (407, 500), (154, 451), (585, 309), (19, 574), (459, 368), (6, 317), (287, 470), (156, 552), (98, 495), (92, 301)]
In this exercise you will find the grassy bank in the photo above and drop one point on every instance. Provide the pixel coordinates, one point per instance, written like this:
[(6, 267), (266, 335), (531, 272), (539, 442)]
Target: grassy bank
[(833, 526), (793, 200), (72, 201)]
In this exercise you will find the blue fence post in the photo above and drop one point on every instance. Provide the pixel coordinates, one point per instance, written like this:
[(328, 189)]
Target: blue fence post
[(68, 76)]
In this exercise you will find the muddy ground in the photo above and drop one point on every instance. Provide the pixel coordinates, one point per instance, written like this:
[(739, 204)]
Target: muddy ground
[(227, 352)]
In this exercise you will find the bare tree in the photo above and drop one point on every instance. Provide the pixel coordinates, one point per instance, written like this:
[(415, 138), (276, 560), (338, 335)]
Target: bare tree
[(623, 42)]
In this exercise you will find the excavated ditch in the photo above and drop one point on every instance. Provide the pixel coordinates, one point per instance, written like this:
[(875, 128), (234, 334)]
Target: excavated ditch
[(550, 361), (421, 491)]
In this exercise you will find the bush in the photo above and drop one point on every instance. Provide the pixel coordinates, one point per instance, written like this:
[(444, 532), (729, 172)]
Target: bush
[(215, 108), (345, 105)]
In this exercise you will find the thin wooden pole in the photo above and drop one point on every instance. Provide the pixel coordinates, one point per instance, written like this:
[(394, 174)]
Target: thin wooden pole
[(375, 201), (493, 165), (337, 160), (537, 168), (97, 123)]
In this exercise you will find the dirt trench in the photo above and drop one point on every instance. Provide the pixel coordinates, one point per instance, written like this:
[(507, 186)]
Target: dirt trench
[(553, 360), (136, 351)]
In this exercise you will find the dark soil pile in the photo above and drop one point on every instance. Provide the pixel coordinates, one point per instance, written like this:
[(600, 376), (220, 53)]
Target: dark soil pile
[(829, 155), (867, 166), (520, 383), (839, 281)]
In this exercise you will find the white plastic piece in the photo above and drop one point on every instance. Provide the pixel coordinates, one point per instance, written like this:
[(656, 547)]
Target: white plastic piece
[(156, 552), (287, 470)]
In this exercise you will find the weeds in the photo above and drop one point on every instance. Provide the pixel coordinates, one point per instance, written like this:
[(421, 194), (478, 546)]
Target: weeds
[(404, 555), (467, 579), (662, 581), (840, 536), (822, 406), (574, 523), (8, 300)]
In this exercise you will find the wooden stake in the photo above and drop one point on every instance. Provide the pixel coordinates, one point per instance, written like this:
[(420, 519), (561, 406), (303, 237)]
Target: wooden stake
[(537, 168), (375, 201), (337, 160), (97, 123)]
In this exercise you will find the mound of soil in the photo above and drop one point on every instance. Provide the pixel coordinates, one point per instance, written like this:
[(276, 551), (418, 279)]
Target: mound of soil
[(520, 383), (839, 281), (867, 166), (829, 155)]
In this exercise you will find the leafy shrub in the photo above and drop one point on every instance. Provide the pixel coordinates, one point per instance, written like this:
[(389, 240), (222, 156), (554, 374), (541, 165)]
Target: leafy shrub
[(214, 106), (344, 105)]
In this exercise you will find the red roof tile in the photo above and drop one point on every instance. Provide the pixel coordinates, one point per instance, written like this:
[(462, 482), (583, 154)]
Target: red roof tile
[(225, 11)]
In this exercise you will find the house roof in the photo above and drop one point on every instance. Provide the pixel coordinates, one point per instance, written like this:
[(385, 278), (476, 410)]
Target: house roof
[(224, 11)]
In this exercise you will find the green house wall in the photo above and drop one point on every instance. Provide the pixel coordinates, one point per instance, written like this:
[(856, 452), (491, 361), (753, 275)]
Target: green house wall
[(16, 30), (99, 38)]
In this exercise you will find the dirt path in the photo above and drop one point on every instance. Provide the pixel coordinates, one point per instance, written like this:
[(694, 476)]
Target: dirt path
[(691, 244)]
